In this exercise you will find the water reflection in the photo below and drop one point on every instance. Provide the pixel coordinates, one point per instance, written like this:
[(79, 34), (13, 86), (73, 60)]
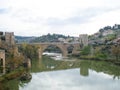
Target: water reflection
[(84, 71), (49, 74), (104, 67), (71, 80), (48, 64)]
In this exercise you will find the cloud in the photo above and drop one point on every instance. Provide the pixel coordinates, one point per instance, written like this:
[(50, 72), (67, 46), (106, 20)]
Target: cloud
[(28, 17), (79, 17)]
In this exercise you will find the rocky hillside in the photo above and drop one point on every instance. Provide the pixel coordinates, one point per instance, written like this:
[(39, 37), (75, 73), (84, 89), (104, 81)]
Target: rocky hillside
[(106, 35), (22, 39), (44, 38)]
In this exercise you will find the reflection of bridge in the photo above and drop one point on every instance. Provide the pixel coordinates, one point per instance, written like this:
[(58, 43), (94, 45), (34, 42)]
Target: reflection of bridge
[(62, 46)]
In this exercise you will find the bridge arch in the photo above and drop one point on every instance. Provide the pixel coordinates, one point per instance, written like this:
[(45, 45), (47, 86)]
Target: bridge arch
[(62, 48), (73, 49), (52, 48), (70, 49)]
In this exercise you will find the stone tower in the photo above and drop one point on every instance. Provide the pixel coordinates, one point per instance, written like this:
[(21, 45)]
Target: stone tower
[(83, 38), (9, 38)]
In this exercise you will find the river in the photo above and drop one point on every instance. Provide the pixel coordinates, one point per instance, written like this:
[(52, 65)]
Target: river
[(71, 74)]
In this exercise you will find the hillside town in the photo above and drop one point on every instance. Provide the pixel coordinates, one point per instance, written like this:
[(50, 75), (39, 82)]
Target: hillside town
[(106, 35)]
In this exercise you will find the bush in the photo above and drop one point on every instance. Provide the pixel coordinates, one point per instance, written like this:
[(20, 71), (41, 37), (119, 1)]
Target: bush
[(85, 51)]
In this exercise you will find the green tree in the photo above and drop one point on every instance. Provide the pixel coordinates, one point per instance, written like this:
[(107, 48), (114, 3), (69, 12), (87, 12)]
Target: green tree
[(85, 51), (28, 51), (101, 55)]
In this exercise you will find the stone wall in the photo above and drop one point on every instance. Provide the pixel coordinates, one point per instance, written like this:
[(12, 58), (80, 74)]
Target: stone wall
[(2, 60), (7, 38)]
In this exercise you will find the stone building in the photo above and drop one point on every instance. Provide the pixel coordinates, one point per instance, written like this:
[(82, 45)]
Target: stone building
[(2, 61), (7, 38), (83, 38), (107, 32)]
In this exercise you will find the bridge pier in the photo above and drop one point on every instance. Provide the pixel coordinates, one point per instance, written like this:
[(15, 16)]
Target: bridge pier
[(76, 49), (39, 53), (64, 52)]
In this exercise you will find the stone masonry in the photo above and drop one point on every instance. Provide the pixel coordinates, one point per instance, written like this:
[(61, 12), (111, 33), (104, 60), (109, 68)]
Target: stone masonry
[(2, 60), (7, 38)]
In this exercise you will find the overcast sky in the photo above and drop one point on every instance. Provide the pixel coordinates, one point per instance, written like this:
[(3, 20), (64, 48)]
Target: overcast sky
[(67, 17)]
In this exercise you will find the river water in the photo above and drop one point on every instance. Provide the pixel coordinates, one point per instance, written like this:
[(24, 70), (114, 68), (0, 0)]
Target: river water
[(71, 74)]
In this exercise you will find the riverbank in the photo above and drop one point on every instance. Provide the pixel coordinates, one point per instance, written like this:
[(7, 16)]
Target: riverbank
[(12, 75), (94, 58), (116, 62)]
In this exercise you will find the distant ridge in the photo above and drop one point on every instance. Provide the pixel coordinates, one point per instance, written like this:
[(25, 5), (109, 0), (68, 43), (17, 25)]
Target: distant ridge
[(43, 38)]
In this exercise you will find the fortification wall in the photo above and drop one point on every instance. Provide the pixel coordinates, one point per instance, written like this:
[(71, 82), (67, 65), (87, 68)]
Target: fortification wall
[(2, 60)]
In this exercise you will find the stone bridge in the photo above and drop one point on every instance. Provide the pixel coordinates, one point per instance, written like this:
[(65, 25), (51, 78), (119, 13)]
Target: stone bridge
[(62, 46)]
